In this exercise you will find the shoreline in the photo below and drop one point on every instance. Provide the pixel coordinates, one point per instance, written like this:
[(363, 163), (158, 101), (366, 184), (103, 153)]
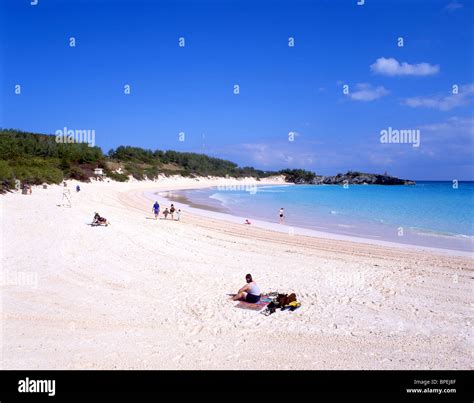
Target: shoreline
[(220, 214)]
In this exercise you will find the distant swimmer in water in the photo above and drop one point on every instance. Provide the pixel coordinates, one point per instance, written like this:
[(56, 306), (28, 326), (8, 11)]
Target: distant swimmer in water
[(281, 215), (156, 210)]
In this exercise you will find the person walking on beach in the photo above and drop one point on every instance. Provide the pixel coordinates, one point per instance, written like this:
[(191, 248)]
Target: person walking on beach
[(281, 215), (156, 209), (172, 210), (179, 214), (166, 212), (250, 292)]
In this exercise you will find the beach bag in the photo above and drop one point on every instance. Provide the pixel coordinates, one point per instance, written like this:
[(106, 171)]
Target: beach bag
[(294, 305), (281, 301), (284, 299)]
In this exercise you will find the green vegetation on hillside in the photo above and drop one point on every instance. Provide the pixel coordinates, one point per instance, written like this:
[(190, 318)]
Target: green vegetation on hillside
[(298, 175), (37, 158)]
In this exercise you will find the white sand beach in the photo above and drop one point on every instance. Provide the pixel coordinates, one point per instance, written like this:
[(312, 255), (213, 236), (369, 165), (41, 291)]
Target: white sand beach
[(152, 294)]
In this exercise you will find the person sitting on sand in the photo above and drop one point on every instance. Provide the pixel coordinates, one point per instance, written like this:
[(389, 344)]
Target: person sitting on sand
[(166, 212), (98, 220), (250, 292), (156, 209), (247, 222), (172, 210)]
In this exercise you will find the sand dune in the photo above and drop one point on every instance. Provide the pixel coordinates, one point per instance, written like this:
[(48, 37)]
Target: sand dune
[(146, 294)]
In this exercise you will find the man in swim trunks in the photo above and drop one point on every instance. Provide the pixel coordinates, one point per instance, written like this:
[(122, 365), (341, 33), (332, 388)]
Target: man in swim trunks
[(156, 210), (250, 292)]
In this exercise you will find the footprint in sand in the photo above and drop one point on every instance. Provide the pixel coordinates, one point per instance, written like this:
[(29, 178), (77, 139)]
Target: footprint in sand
[(196, 330)]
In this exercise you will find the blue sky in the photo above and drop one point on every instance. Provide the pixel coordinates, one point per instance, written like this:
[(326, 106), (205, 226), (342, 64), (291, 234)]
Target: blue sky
[(283, 89)]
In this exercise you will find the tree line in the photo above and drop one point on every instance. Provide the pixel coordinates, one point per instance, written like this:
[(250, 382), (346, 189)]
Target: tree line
[(33, 158)]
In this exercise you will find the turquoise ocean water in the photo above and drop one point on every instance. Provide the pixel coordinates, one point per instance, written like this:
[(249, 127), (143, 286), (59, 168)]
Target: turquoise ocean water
[(428, 213)]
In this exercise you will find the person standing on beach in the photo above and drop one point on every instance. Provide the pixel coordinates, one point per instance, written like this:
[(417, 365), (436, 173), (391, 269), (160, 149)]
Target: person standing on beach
[(156, 209), (172, 210), (281, 215)]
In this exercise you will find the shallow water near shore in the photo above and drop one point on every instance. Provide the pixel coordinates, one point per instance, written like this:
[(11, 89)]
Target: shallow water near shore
[(432, 214)]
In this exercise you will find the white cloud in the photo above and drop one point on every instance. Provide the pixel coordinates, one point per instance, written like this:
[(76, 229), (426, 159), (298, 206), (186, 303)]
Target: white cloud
[(454, 5), (443, 102), (392, 67), (268, 154), (446, 151), (451, 140), (366, 92), (460, 128)]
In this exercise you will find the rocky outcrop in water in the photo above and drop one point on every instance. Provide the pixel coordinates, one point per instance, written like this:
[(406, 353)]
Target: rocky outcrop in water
[(355, 178)]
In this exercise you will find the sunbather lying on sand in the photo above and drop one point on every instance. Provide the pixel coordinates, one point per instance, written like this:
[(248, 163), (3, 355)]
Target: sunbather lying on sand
[(250, 292)]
